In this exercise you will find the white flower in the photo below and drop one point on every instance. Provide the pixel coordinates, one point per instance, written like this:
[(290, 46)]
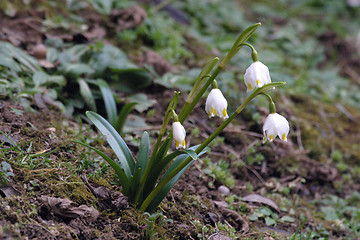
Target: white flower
[(216, 104), (256, 76), (179, 135), (275, 125)]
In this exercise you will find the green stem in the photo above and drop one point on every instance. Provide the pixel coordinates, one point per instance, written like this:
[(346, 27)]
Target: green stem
[(254, 54), (169, 112), (272, 106), (214, 84)]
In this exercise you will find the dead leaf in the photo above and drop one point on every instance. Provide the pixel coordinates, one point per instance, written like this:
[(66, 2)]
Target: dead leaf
[(262, 200), (219, 236), (62, 208), (211, 218), (127, 18), (8, 192), (152, 58), (46, 64), (240, 224), (221, 204), (96, 33), (107, 199)]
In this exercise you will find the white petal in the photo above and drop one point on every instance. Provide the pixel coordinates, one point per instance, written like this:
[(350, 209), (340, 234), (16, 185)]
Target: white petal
[(256, 75), (275, 125), (216, 104)]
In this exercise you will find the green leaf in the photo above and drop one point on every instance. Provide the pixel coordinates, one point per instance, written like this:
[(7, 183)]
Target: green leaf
[(269, 221), (143, 102), (330, 213), (109, 101), (144, 150), (253, 217), (56, 79), (102, 6), (87, 94), (164, 191), (287, 219), (39, 78), (266, 211), (75, 70), (115, 165), (131, 80), (121, 119), (141, 164), (156, 171), (116, 142), (135, 124)]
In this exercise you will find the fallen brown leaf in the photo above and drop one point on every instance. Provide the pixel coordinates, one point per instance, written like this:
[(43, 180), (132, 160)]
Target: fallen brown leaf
[(262, 200), (62, 208)]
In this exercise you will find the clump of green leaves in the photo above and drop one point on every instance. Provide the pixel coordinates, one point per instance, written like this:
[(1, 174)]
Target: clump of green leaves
[(154, 222), (5, 173), (21, 78), (344, 212), (219, 171), (266, 214)]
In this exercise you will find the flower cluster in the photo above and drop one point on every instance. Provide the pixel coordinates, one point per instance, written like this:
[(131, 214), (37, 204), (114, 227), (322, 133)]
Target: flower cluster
[(256, 76)]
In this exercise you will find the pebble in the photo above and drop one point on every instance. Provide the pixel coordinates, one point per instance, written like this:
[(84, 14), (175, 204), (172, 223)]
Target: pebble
[(224, 190)]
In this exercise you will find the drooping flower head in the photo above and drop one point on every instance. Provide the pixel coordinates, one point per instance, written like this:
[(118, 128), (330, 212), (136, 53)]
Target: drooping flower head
[(216, 104), (275, 125), (256, 76), (179, 135)]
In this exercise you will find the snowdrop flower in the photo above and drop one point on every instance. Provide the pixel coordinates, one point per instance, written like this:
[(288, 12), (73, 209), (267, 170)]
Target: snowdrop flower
[(216, 104), (179, 134), (275, 125), (256, 76)]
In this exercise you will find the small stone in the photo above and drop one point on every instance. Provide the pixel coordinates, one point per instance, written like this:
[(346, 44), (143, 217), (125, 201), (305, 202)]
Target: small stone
[(51, 129), (224, 190), (40, 51)]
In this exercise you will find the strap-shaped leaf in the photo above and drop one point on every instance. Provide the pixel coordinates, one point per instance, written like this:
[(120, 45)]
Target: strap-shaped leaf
[(115, 141), (164, 191), (143, 156), (120, 122), (109, 101), (116, 166), (156, 170), (87, 94), (134, 184)]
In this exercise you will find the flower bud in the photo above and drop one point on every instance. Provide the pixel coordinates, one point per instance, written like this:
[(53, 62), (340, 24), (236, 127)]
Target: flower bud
[(179, 135)]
